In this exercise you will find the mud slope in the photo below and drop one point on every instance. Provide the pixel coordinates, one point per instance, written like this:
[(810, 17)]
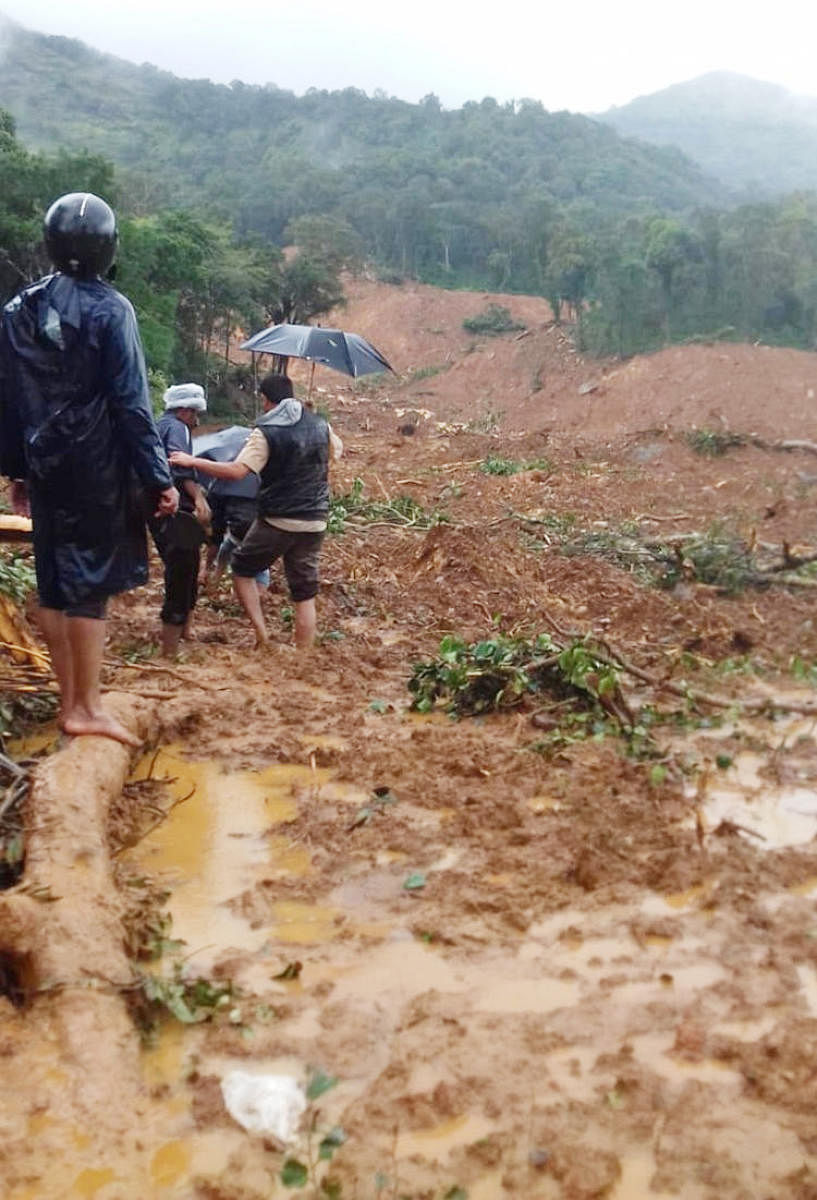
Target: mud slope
[(530, 964), (538, 381)]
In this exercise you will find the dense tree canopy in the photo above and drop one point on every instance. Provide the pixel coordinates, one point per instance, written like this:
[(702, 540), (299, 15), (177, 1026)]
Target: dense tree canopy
[(192, 281)]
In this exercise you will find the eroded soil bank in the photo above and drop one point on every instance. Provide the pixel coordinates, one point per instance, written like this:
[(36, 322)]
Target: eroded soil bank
[(602, 981)]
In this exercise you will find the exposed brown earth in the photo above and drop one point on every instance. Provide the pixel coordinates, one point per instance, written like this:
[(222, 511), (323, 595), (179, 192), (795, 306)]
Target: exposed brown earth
[(601, 988)]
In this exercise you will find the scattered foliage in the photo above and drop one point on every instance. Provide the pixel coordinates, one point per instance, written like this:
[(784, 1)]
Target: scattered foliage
[(189, 999), (713, 443), (467, 679), (493, 464), (14, 784), (353, 509), (717, 557), (494, 320), (16, 577)]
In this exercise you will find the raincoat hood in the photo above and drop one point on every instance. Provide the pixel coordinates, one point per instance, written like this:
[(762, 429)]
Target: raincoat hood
[(76, 423), (286, 412)]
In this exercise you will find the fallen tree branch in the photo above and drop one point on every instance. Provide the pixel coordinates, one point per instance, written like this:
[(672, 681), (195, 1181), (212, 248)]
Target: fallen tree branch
[(752, 704)]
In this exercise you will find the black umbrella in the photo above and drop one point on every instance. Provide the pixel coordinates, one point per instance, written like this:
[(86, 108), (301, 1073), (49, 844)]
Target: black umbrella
[(346, 352)]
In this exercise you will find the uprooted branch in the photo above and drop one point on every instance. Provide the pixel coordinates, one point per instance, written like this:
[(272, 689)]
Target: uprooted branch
[(499, 672), (693, 696)]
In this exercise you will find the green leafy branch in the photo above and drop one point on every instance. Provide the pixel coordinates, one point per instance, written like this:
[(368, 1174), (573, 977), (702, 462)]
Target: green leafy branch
[(16, 577), (190, 1000), (351, 508), (498, 673)]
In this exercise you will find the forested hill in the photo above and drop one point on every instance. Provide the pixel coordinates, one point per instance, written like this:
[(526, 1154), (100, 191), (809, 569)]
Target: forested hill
[(751, 135), (429, 189), (633, 244)]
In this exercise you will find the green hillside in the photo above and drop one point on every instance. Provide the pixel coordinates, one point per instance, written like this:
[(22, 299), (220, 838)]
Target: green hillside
[(751, 135), (432, 192), (633, 245)]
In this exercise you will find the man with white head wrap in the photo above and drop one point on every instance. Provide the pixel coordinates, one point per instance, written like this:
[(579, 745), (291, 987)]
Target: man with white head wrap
[(184, 403)]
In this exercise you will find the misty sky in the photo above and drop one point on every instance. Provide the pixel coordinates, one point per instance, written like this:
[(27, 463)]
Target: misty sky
[(583, 56)]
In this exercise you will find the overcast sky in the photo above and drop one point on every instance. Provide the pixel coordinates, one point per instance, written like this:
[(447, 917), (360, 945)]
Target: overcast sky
[(584, 55)]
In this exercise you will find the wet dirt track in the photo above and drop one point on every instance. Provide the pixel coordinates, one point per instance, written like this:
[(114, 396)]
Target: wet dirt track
[(606, 985)]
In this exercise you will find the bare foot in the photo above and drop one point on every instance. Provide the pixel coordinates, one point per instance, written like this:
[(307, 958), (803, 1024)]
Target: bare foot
[(99, 724)]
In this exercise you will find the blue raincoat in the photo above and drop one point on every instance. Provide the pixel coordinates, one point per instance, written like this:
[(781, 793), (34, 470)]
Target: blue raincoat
[(77, 426)]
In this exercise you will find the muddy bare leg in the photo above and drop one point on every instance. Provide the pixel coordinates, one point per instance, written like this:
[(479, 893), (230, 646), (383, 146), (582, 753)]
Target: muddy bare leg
[(306, 623), (171, 637), (86, 643), (53, 625), (250, 601)]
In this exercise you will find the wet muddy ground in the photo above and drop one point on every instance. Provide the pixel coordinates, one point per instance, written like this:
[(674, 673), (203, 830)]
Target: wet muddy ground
[(529, 967)]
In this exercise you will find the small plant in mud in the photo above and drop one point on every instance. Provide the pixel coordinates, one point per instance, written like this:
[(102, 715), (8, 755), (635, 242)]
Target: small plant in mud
[(189, 999), (803, 671), (353, 509), (309, 1163), (494, 465), (426, 372), (498, 673), (138, 651), (493, 321), (713, 443), (570, 726), (488, 422)]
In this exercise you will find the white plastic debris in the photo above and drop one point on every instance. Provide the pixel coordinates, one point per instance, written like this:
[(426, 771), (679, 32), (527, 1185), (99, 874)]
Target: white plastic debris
[(269, 1104)]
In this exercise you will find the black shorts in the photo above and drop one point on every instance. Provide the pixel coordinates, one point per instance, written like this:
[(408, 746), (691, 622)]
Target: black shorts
[(300, 552), (50, 590)]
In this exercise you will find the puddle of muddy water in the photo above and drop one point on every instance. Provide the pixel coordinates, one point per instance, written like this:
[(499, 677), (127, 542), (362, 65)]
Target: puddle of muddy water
[(436, 1144), (45, 738), (776, 816), (771, 815), (217, 843), (634, 1183), (577, 972)]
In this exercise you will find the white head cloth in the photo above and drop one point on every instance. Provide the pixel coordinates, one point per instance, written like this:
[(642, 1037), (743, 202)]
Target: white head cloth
[(185, 395)]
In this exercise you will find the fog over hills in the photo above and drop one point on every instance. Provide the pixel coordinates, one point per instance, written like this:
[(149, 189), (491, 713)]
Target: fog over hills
[(751, 135), (235, 142)]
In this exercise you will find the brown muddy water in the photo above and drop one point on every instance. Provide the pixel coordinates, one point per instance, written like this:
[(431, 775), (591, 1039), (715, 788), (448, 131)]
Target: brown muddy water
[(589, 977), (232, 832)]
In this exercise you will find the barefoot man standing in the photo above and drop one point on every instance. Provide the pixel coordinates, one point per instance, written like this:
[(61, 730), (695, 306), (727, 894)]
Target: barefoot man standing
[(289, 449), (78, 441)]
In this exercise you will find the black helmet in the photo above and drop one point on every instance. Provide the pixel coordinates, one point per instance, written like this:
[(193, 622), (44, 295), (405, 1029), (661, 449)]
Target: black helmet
[(80, 234)]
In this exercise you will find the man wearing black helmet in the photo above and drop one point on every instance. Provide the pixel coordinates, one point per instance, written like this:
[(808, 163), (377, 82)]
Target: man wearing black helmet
[(78, 441)]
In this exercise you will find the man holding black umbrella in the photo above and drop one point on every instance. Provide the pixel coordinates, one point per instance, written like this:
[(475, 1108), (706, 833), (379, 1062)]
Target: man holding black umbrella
[(290, 450)]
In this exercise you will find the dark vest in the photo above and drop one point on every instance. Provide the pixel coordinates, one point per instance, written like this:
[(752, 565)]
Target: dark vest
[(295, 480)]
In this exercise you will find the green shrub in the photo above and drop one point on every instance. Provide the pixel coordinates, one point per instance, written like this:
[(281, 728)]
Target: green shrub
[(494, 465), (494, 320), (713, 443)]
